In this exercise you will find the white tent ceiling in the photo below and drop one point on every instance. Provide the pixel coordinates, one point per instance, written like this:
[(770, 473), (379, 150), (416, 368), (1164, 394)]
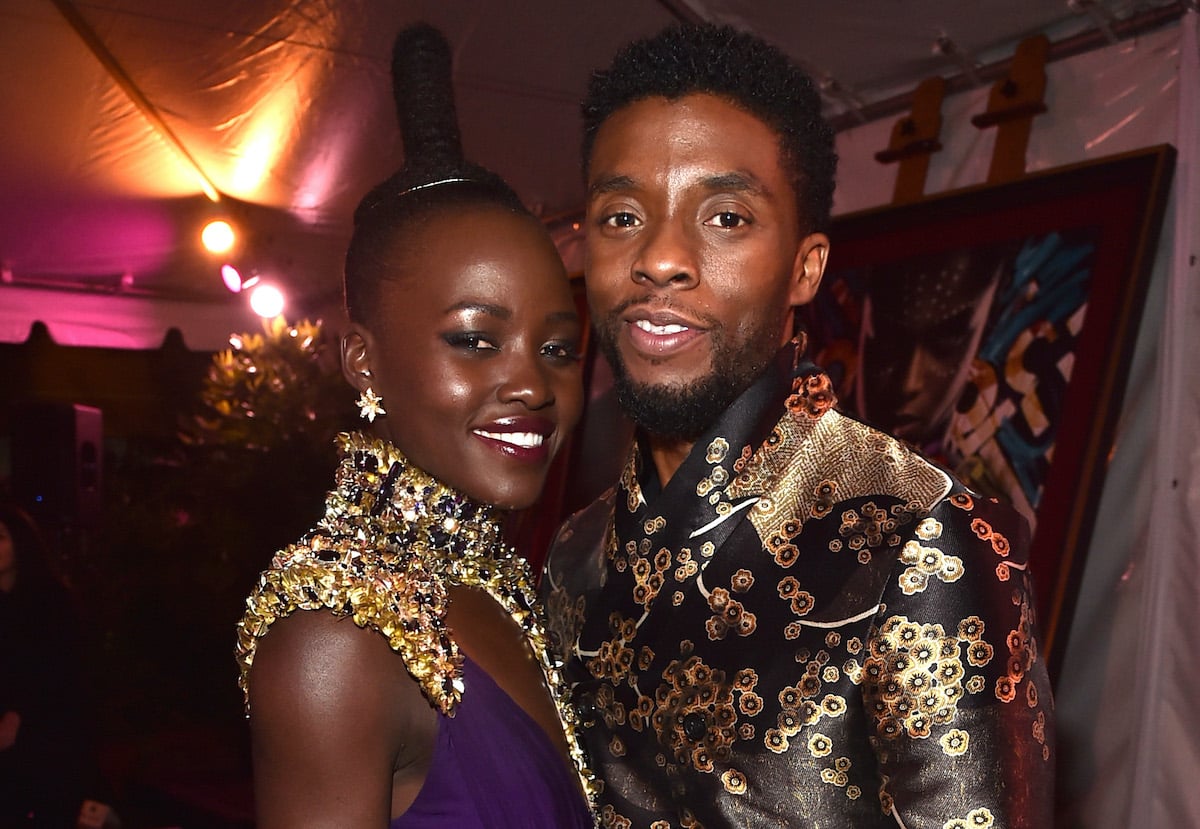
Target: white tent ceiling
[(119, 114)]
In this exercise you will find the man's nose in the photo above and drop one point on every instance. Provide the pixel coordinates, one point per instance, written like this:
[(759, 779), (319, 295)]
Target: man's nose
[(667, 257)]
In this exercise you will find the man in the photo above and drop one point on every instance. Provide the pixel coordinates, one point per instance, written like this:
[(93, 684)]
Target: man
[(778, 616)]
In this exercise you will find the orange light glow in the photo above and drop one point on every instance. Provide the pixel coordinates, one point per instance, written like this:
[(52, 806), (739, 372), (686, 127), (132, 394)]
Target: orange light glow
[(262, 139), (218, 236)]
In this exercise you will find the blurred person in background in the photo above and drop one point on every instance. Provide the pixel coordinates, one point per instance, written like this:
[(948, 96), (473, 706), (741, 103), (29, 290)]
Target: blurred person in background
[(45, 748)]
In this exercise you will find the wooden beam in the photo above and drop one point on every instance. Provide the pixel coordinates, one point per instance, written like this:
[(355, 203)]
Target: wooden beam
[(1012, 104), (915, 138), (149, 111)]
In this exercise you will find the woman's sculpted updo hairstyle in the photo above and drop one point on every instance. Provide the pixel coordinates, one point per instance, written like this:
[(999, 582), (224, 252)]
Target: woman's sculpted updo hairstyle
[(435, 177)]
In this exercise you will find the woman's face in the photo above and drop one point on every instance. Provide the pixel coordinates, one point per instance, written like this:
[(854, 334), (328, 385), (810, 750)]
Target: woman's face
[(474, 348)]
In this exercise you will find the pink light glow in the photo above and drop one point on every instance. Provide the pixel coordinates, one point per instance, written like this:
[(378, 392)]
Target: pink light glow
[(231, 278)]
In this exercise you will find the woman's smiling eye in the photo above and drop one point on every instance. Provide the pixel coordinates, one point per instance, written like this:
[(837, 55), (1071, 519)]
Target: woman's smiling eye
[(566, 351), (470, 340), (728, 219)]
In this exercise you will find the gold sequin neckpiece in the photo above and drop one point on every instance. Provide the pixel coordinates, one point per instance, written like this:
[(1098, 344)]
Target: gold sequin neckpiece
[(391, 541)]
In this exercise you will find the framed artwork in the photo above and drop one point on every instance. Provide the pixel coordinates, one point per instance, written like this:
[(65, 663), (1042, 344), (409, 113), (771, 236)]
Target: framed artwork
[(992, 327)]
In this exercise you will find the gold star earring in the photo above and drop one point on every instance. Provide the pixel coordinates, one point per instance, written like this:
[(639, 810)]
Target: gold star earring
[(370, 405)]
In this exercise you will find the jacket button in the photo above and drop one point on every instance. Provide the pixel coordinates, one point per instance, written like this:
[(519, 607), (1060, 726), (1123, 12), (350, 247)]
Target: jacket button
[(695, 727), (585, 709)]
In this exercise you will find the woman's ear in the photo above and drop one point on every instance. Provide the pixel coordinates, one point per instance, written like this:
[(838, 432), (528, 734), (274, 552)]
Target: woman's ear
[(356, 356)]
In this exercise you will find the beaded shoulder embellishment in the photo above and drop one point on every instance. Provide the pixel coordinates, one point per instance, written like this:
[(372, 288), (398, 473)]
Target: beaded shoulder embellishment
[(391, 540)]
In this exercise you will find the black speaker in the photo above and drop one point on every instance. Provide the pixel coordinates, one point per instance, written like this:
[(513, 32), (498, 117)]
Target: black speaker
[(57, 452)]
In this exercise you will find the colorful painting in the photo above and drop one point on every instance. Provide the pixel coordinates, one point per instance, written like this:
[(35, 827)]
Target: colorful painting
[(992, 328)]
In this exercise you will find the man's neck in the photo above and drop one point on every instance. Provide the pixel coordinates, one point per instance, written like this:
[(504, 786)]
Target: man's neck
[(668, 454)]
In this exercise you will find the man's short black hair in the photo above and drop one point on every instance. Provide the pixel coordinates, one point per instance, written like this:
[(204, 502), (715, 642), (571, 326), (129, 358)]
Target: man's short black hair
[(742, 69)]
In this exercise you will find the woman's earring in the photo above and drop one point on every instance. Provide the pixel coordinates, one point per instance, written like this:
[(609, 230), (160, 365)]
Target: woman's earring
[(370, 405)]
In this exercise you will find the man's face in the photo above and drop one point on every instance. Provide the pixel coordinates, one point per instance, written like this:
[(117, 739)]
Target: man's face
[(694, 257)]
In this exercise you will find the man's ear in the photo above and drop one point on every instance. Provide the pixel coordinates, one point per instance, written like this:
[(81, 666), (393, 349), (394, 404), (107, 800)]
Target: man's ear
[(356, 356), (808, 268)]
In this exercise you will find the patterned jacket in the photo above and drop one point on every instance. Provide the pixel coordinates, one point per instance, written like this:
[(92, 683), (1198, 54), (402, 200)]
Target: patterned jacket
[(810, 625)]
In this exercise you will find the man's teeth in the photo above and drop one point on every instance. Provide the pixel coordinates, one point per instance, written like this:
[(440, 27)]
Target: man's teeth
[(660, 330), (526, 440)]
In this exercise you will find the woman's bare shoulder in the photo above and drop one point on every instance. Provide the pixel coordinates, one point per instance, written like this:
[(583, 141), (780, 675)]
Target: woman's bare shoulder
[(317, 662), (335, 720)]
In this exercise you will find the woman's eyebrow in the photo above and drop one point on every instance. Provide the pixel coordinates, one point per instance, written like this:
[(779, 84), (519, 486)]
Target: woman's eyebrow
[(482, 307)]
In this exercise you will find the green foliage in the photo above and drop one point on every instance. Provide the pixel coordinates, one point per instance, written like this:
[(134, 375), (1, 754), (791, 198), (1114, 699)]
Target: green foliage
[(271, 389)]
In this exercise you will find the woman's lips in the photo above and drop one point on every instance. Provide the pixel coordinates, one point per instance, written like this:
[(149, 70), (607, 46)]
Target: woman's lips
[(525, 439)]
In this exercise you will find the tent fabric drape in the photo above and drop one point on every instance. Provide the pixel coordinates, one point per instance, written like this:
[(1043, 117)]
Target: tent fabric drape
[(1164, 749)]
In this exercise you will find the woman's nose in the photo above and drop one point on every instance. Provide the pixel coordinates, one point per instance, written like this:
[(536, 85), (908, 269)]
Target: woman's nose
[(526, 381)]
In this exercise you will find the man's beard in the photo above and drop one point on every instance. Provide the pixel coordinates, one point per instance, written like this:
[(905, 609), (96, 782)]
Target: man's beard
[(685, 411)]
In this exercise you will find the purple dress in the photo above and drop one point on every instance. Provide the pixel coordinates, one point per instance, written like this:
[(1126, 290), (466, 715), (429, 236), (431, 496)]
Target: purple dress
[(493, 766)]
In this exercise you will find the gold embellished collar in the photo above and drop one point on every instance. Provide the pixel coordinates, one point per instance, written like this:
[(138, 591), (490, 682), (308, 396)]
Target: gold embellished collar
[(408, 511), (392, 539)]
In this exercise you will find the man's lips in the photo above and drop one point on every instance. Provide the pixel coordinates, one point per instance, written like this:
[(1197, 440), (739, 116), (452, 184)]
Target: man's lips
[(660, 334), (661, 330)]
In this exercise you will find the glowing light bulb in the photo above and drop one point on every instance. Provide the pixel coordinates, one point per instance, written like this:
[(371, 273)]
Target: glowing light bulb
[(267, 301), (218, 236)]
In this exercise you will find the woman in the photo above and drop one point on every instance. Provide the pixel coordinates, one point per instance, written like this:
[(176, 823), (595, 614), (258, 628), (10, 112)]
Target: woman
[(394, 663)]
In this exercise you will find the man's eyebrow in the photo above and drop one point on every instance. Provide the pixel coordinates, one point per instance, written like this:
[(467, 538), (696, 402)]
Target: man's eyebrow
[(735, 182), (610, 184)]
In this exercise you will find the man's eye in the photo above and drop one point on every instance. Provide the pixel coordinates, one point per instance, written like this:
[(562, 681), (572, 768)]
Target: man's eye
[(728, 219), (621, 219)]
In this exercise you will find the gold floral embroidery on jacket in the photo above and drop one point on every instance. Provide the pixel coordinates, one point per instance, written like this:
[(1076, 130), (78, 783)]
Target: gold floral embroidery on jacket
[(838, 633)]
